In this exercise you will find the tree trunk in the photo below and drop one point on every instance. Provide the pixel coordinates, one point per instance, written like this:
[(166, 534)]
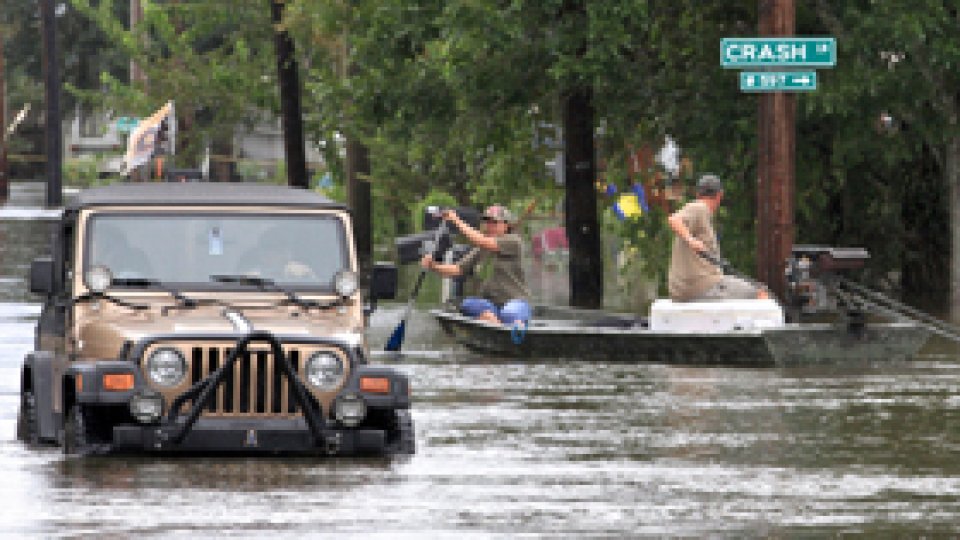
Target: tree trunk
[(222, 170), (289, 79), (952, 173), (583, 234), (924, 210), (4, 169), (358, 198), (137, 76), (51, 77)]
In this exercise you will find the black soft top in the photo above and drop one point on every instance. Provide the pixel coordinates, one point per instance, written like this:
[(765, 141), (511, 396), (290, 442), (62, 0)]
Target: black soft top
[(200, 194)]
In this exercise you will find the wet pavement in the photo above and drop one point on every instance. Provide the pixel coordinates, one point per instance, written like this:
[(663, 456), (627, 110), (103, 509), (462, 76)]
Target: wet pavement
[(537, 449)]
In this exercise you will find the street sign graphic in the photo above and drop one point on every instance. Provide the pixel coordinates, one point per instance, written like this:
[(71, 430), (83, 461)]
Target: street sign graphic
[(778, 52), (126, 124), (778, 81)]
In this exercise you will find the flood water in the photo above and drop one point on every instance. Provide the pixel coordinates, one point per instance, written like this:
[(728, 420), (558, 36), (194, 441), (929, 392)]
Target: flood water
[(537, 449)]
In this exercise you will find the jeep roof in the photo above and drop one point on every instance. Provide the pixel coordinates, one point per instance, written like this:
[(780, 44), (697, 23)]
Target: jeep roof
[(200, 193)]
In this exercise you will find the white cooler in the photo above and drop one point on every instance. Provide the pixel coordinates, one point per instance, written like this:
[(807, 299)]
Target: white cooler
[(719, 316)]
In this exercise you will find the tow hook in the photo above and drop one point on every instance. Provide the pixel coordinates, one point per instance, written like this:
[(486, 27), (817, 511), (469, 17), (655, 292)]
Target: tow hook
[(161, 437), (331, 444)]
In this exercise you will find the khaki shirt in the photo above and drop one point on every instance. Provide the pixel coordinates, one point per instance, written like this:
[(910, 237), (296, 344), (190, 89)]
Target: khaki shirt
[(501, 271), (690, 274)]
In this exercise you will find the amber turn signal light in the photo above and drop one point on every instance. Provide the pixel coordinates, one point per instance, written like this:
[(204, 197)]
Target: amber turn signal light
[(118, 381), (375, 385)]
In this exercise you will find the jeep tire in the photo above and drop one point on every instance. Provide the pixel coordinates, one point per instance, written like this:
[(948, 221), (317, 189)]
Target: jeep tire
[(75, 439), (400, 436), (27, 428)]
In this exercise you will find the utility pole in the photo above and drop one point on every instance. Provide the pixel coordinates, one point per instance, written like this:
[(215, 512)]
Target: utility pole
[(4, 167), (51, 78), (292, 118), (776, 160)]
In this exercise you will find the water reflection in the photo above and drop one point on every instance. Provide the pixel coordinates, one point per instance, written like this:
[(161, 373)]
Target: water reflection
[(229, 473)]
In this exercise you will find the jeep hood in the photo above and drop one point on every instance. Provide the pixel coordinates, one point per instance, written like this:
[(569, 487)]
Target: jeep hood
[(104, 337)]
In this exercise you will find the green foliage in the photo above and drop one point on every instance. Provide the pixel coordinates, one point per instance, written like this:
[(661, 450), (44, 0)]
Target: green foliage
[(278, 176), (875, 135), (217, 63), (82, 173), (441, 93), (84, 51), (646, 244), (451, 98)]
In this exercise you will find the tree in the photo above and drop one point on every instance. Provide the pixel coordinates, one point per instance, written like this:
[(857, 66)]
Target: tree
[(899, 80), (452, 92), (449, 95), (218, 64), (291, 113)]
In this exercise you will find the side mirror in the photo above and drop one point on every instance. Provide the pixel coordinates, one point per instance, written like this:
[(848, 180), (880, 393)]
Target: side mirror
[(41, 276), (383, 281)]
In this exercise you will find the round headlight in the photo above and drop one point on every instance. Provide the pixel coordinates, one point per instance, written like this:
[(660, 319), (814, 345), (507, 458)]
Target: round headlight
[(345, 283), (99, 278), (324, 371), (166, 367)]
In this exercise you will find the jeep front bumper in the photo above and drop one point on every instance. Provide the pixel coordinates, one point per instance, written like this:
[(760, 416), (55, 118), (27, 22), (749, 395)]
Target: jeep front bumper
[(247, 435), (185, 429)]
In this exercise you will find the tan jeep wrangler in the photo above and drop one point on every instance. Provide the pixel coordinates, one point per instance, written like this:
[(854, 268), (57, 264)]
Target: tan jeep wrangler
[(208, 318)]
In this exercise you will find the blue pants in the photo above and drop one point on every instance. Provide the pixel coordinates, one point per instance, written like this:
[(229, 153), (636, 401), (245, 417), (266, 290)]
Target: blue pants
[(511, 312)]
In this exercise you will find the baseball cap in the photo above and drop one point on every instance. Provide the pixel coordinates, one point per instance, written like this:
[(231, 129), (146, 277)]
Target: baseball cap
[(710, 183), (498, 213)]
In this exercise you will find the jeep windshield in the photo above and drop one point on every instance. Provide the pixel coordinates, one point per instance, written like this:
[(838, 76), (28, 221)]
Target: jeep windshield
[(301, 251)]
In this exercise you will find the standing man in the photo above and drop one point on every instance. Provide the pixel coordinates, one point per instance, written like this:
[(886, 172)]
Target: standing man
[(692, 277), (503, 296)]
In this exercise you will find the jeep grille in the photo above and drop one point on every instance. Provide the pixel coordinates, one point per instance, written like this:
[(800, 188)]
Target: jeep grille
[(255, 386)]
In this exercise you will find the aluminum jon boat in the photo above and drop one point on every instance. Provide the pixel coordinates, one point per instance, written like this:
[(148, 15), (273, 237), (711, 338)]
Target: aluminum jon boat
[(735, 337), (832, 319)]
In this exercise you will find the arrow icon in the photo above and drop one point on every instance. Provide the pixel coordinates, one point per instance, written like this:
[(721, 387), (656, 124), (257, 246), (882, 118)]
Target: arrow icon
[(778, 81)]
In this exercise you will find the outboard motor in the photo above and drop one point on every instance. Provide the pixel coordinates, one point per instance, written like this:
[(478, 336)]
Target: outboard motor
[(815, 284), (813, 274)]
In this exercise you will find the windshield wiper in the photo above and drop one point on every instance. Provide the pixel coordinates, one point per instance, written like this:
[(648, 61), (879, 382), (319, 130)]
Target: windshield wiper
[(148, 283), (268, 285), (88, 296)]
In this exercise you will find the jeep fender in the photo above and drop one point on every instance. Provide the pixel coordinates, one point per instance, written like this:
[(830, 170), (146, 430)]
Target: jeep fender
[(37, 377), (397, 398), (81, 383)]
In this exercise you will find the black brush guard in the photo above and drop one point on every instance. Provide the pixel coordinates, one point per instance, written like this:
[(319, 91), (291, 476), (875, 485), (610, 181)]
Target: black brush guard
[(204, 391)]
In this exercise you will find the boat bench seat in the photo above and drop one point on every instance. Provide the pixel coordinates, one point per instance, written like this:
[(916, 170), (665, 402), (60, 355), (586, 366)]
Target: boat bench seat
[(712, 317)]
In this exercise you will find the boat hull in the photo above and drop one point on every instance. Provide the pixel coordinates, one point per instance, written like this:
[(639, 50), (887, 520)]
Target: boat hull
[(618, 339)]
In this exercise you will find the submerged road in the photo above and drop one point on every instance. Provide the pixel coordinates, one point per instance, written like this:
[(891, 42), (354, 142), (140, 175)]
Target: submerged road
[(540, 449)]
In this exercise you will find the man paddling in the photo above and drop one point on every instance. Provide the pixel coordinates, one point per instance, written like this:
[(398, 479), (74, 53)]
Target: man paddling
[(503, 295), (692, 276)]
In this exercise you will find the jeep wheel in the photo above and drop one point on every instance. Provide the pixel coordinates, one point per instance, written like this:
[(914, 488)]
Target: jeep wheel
[(75, 432), (27, 419), (400, 436)]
